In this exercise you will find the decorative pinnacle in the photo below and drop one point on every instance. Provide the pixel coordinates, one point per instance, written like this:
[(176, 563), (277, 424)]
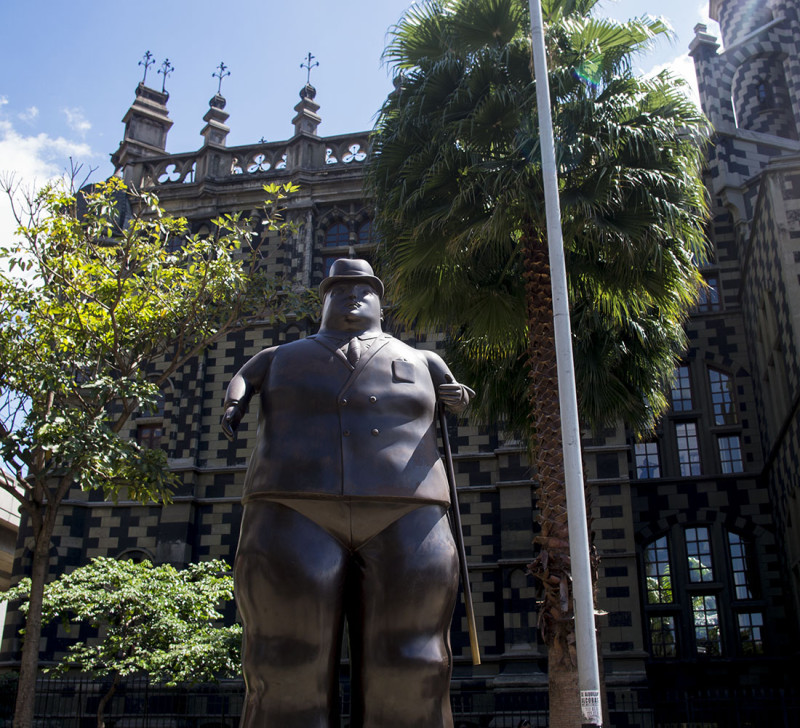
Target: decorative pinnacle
[(165, 70), (309, 65), (222, 71), (147, 61)]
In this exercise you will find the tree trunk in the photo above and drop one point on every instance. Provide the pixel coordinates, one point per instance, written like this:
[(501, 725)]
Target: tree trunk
[(105, 700), (29, 664), (552, 563)]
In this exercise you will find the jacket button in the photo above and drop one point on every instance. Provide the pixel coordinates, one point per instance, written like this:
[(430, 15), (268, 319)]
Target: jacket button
[(346, 433), (344, 403), (373, 399), (376, 432)]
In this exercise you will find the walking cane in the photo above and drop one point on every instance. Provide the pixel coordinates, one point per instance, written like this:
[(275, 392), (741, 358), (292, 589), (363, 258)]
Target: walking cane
[(459, 539)]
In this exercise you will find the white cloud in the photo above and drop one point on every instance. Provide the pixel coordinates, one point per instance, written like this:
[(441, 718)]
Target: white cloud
[(702, 12), (683, 67), (29, 114), (31, 161), (76, 120), (712, 25)]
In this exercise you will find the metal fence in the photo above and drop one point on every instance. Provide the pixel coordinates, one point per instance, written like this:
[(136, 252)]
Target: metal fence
[(742, 708), (73, 702)]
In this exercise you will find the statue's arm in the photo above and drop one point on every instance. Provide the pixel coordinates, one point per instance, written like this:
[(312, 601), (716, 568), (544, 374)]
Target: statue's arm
[(245, 383), (450, 393)]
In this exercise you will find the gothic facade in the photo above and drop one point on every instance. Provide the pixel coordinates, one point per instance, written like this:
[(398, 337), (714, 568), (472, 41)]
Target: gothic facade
[(697, 529)]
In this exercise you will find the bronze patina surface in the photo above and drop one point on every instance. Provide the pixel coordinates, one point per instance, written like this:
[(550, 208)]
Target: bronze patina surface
[(344, 520)]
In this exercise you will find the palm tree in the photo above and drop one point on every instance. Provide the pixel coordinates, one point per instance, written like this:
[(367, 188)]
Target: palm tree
[(457, 180)]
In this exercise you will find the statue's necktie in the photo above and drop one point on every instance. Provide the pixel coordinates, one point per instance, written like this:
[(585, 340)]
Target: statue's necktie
[(354, 351)]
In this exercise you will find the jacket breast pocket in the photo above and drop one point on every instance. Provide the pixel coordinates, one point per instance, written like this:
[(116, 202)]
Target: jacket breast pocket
[(402, 371)]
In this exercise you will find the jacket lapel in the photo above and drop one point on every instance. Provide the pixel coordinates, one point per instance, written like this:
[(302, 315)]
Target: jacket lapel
[(330, 346), (380, 342)]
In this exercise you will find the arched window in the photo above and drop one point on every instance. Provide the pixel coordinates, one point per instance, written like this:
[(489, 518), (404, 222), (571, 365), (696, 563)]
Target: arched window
[(764, 94), (337, 235), (365, 233), (151, 424)]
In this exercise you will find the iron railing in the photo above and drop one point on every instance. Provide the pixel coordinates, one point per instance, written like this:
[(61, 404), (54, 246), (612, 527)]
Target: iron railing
[(72, 703)]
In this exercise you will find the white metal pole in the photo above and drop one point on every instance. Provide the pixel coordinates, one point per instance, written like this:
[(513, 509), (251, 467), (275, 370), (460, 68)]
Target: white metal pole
[(586, 642)]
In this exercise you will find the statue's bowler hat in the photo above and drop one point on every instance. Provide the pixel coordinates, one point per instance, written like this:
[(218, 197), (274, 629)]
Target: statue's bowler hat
[(352, 270)]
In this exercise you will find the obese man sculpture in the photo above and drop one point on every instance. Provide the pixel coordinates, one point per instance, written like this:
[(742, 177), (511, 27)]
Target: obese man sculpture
[(344, 518)]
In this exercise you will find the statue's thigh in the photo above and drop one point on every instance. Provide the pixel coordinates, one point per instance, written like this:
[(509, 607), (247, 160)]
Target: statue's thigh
[(410, 571), (289, 583), (289, 574), (402, 660)]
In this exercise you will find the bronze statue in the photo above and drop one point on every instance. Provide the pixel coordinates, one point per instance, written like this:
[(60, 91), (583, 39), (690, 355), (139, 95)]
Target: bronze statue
[(345, 504)]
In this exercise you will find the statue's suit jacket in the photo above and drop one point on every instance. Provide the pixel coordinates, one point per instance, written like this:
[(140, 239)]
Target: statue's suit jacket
[(327, 429)]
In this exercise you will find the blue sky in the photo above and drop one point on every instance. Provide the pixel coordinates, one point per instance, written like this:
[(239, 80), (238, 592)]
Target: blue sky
[(71, 69)]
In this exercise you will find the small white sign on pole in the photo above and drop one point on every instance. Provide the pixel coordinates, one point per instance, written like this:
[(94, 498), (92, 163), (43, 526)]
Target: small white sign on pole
[(590, 707)]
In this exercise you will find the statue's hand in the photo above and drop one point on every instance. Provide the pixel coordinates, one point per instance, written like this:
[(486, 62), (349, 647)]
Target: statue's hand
[(454, 396), (230, 421)]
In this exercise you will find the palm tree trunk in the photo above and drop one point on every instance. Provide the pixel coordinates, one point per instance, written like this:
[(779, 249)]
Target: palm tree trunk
[(552, 564)]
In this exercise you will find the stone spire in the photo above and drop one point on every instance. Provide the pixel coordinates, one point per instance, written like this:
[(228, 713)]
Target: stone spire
[(305, 149), (307, 119), (146, 125), (215, 131)]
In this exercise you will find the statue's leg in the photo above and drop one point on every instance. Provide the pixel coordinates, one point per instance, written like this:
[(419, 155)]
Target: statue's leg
[(289, 581), (400, 632)]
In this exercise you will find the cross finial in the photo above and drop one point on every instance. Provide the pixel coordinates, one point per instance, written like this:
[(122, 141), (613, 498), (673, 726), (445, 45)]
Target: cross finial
[(222, 71), (309, 65), (165, 70), (147, 61)]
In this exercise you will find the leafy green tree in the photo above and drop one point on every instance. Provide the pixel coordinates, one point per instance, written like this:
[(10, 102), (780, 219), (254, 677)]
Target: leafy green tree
[(456, 173), (153, 619), (114, 297)]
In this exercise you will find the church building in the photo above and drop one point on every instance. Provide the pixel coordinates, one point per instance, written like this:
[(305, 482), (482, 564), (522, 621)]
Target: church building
[(697, 529)]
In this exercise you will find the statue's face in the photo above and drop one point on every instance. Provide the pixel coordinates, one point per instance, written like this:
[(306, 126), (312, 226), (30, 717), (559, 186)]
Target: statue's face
[(351, 306)]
